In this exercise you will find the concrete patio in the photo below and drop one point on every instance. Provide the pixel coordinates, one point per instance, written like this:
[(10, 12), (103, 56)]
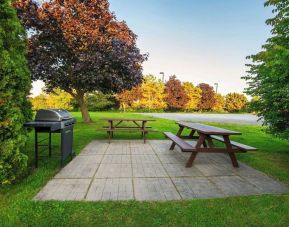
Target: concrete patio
[(131, 170)]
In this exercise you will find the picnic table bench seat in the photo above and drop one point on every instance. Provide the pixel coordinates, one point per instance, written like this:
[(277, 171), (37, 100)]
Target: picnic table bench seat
[(241, 146), (185, 146)]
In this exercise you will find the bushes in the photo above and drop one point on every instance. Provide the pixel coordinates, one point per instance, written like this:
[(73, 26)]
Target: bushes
[(15, 84), (235, 102), (98, 101)]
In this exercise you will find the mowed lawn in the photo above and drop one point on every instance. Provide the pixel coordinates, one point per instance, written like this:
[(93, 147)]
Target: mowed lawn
[(18, 208)]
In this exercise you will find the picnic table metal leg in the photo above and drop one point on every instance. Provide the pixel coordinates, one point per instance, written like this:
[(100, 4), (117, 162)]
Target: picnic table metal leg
[(178, 134), (194, 153), (230, 151)]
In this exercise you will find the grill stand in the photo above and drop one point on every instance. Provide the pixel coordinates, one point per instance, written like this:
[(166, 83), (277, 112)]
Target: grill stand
[(66, 143)]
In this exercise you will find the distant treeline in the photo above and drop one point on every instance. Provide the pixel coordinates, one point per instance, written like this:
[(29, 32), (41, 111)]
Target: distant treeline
[(151, 95)]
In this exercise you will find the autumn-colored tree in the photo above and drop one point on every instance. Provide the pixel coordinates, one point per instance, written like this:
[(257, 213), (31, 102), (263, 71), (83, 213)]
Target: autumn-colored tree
[(176, 96), (235, 102), (219, 104), (128, 98), (57, 99), (80, 47), (39, 102), (152, 94), (208, 97), (194, 96)]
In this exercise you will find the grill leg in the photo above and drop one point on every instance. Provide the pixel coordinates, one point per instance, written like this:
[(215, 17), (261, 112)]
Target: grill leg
[(49, 144), (36, 149)]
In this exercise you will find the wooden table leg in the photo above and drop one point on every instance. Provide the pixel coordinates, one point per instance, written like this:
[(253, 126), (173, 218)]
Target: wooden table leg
[(194, 153), (143, 128), (178, 134), (230, 151), (110, 135), (210, 141)]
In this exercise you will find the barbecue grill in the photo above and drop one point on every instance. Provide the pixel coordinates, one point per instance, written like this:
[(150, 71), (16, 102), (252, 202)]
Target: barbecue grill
[(53, 121)]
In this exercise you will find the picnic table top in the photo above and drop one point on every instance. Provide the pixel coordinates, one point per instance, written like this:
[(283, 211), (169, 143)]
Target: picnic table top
[(125, 119), (207, 129)]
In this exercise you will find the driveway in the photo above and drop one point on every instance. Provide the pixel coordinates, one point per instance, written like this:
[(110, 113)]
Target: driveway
[(225, 118)]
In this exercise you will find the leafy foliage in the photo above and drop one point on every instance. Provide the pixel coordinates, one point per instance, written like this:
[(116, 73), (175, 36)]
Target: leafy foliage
[(129, 98), (207, 101), (194, 95), (268, 73), (152, 94), (176, 96), (80, 47), (98, 101), (14, 87), (235, 102), (57, 99), (219, 104)]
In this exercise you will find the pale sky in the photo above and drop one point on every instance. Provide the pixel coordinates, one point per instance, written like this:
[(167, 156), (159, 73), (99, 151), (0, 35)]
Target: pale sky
[(198, 41)]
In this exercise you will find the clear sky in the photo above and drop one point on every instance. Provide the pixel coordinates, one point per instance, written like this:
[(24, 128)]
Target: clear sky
[(197, 40)]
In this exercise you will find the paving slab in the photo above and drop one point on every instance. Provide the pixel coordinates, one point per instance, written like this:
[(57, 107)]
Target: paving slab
[(114, 171), (155, 189), (118, 148), (77, 170), (132, 170), (110, 189), (180, 170), (95, 148), (148, 170), (146, 158), (64, 189), (116, 159), (172, 158), (234, 186), (197, 187)]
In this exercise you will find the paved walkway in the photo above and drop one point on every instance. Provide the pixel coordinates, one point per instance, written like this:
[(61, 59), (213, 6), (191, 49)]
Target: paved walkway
[(225, 118), (131, 170)]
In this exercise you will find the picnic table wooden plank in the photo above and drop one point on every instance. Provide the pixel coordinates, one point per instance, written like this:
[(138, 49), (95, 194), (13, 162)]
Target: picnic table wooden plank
[(207, 129), (126, 119)]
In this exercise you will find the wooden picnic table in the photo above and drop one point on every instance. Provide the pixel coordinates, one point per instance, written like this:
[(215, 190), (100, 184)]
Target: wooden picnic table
[(139, 125), (204, 141)]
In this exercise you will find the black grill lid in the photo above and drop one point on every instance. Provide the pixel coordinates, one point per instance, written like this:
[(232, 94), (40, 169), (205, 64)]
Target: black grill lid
[(52, 115)]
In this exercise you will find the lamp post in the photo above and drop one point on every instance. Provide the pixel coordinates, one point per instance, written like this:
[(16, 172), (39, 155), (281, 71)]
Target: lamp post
[(217, 85), (163, 76)]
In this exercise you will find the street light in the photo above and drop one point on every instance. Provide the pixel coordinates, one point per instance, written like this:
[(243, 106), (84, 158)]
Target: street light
[(217, 85), (163, 76)]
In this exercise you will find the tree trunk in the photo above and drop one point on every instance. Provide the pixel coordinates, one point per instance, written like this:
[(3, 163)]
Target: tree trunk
[(83, 108)]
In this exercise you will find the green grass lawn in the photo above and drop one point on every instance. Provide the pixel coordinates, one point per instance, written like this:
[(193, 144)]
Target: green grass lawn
[(18, 208)]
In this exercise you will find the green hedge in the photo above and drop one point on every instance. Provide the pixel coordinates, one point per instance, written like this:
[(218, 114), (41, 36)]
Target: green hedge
[(15, 84)]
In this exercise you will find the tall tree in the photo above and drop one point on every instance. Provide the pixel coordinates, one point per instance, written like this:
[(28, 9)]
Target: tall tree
[(129, 98), (152, 94), (208, 97), (219, 104), (268, 74), (194, 96), (176, 96), (80, 47), (15, 84)]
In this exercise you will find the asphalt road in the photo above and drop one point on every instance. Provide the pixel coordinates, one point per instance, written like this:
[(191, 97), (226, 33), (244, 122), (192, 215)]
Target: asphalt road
[(225, 118)]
